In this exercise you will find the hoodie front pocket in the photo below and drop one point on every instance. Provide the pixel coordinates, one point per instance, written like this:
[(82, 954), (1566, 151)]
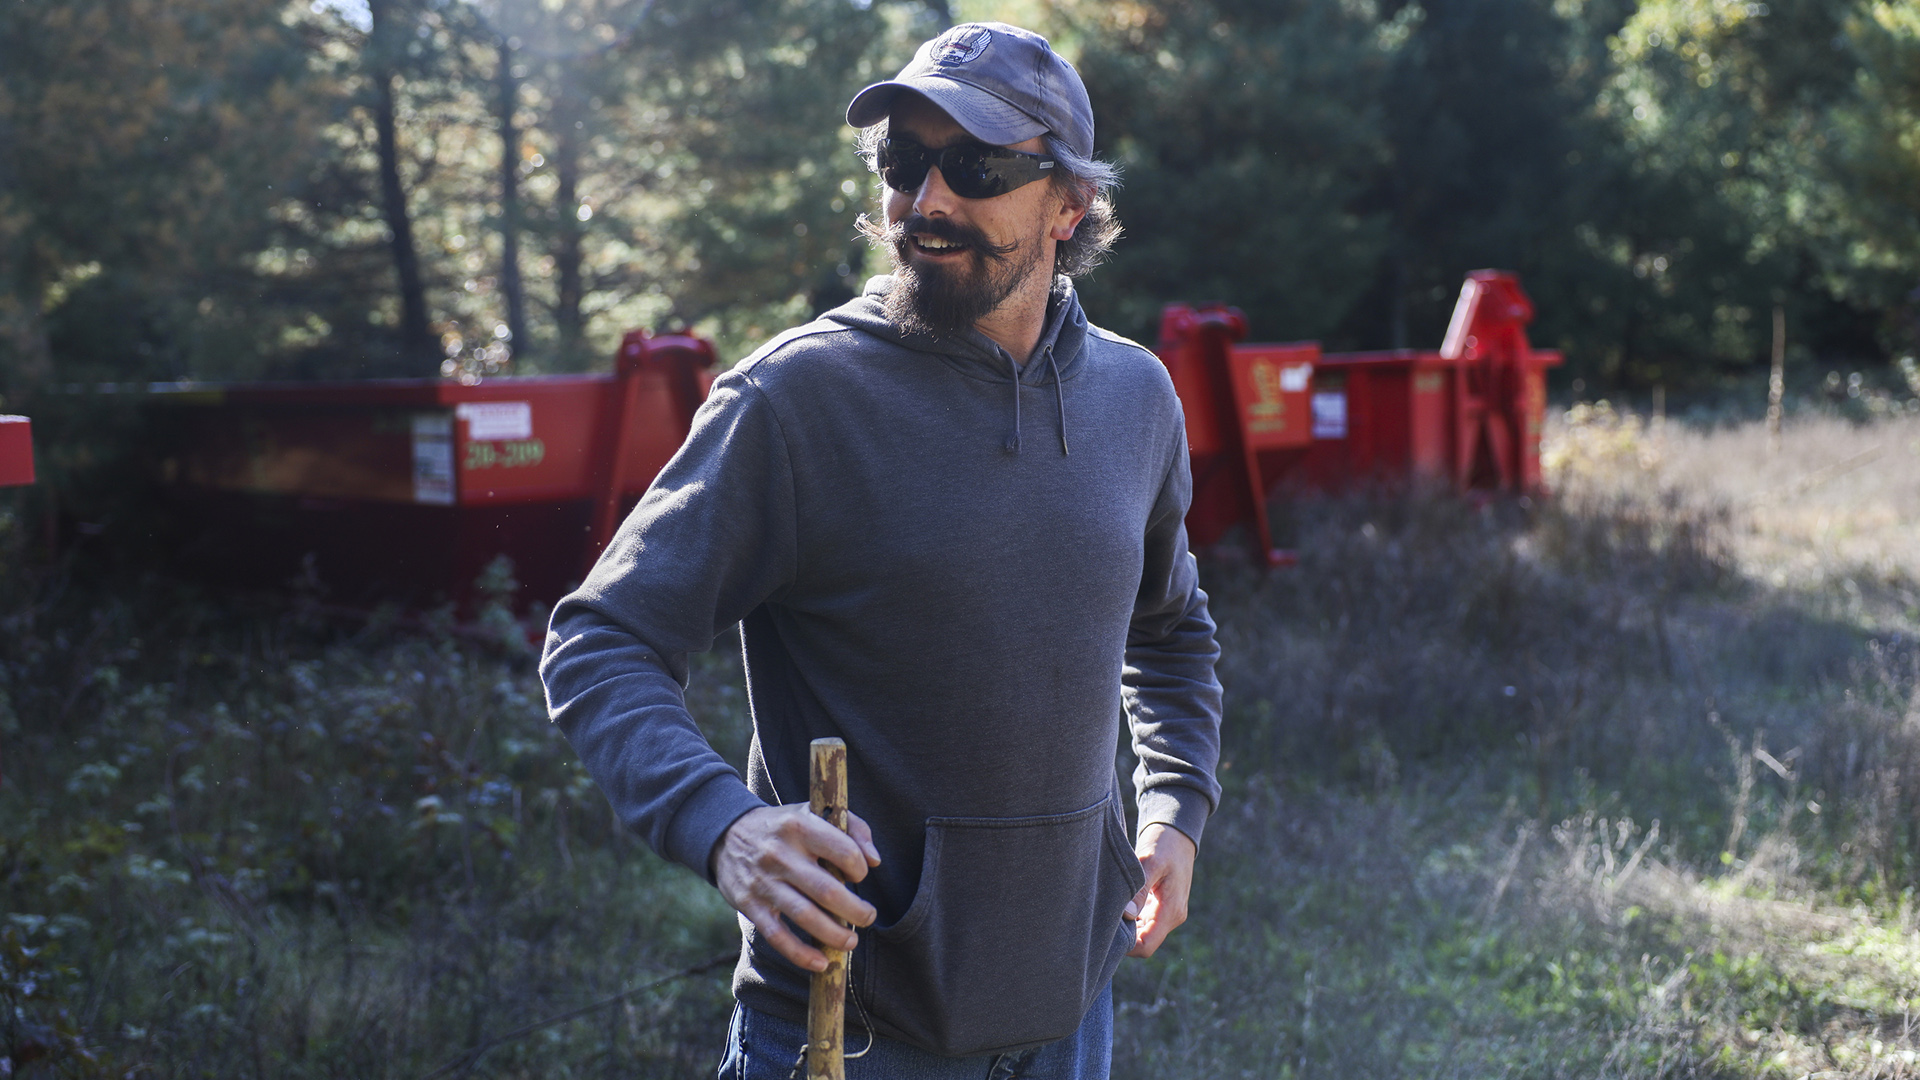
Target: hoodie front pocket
[(1014, 931)]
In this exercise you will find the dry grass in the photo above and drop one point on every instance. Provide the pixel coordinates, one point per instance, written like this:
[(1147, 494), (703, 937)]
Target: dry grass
[(1444, 725), (1832, 511)]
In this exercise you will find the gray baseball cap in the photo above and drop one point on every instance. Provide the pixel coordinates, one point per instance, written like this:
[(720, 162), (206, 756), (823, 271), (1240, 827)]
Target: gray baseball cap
[(1003, 84)]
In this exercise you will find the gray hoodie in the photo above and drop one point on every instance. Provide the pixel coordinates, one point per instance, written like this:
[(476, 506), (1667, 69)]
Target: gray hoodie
[(970, 572)]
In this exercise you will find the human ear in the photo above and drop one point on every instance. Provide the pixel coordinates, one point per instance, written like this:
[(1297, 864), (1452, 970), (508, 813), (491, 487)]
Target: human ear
[(1066, 218)]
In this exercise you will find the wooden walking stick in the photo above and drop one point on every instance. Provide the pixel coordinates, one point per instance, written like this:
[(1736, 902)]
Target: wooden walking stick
[(827, 996)]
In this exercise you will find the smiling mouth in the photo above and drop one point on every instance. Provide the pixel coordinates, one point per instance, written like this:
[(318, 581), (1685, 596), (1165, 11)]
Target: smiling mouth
[(934, 245)]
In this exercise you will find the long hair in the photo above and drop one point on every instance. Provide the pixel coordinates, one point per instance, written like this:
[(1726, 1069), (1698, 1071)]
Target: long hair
[(1081, 181), (1087, 182)]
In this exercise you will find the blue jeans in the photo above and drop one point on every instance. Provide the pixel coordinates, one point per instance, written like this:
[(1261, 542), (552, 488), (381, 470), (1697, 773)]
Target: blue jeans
[(762, 1047)]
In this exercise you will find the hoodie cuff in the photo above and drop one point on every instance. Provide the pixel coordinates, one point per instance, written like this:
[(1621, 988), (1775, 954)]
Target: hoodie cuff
[(704, 818), (1183, 808)]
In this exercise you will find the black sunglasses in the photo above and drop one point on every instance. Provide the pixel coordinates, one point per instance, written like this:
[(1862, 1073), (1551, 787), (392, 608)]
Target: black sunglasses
[(973, 170)]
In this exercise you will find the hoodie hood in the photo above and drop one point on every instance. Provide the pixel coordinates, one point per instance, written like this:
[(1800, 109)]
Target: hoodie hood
[(1056, 357)]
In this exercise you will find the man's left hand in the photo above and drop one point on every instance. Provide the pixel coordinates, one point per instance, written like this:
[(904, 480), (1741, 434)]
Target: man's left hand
[(1166, 855)]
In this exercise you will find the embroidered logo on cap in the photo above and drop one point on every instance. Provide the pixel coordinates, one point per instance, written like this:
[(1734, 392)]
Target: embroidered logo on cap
[(960, 45)]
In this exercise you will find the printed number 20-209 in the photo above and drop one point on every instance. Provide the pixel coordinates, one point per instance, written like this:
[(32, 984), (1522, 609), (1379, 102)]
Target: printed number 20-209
[(506, 455)]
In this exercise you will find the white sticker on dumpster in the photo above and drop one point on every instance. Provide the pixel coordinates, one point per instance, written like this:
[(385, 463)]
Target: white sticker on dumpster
[(1330, 414), (433, 458), (496, 421), (1295, 379)]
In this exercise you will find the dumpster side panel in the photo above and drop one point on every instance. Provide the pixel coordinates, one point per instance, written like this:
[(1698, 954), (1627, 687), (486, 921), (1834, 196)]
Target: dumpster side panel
[(524, 442), (325, 451), (406, 490), (1533, 415), (1275, 389), (1381, 421), (1327, 464), (546, 542), (362, 553), (1274, 384), (1430, 414), (16, 451)]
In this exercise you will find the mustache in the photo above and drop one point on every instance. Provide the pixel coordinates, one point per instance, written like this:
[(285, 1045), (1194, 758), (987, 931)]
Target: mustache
[(898, 235)]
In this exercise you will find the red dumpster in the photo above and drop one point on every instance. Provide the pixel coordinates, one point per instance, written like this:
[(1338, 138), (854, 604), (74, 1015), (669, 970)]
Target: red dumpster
[(1247, 413), (1380, 416), (405, 490), (1468, 416), (16, 451)]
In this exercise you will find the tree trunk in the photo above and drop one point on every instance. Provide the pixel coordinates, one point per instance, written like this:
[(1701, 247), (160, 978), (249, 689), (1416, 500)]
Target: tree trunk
[(568, 237), (1402, 225), (416, 338), (1397, 320), (510, 284)]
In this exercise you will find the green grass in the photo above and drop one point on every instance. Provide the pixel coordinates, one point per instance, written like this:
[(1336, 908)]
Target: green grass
[(1623, 784)]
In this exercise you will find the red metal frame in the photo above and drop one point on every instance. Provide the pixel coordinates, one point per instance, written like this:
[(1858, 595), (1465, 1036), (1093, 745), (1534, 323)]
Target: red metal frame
[(407, 489), (16, 451), (1468, 416), (678, 367), (1502, 387), (1247, 412)]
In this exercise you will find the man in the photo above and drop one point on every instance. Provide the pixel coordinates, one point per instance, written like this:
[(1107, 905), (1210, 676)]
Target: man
[(947, 518)]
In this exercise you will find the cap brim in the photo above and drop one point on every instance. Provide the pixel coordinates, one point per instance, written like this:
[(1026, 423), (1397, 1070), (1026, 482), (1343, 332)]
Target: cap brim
[(984, 115)]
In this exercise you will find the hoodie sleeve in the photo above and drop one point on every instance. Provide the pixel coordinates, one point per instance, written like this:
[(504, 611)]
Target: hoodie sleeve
[(711, 539), (1171, 696)]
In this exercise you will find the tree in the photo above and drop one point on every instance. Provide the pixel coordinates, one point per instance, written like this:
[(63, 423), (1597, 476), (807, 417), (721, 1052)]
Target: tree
[(388, 43), (692, 163), (1247, 133), (1878, 131), (1740, 106), (147, 144), (1484, 115)]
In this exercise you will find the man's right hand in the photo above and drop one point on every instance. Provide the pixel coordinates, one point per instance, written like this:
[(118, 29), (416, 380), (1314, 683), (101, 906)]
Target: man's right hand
[(768, 865)]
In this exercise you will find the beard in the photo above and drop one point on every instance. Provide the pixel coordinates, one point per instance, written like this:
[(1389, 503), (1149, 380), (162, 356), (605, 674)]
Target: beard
[(943, 299)]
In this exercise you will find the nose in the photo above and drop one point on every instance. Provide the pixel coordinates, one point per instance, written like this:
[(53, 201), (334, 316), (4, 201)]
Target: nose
[(934, 196)]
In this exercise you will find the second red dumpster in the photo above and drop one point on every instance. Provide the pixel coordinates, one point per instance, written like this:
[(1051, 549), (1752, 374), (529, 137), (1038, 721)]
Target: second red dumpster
[(1468, 416)]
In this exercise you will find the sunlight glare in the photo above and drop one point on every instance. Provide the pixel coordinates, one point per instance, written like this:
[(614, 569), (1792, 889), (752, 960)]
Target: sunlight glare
[(352, 12)]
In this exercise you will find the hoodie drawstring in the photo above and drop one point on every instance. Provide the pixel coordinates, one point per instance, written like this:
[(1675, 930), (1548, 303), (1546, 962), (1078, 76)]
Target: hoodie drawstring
[(1059, 399), (1013, 440)]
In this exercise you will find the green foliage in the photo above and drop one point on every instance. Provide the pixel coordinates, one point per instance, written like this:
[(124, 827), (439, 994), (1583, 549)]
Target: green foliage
[(1247, 133), (199, 188), (1785, 123), (1495, 160), (1879, 127), (1334, 168), (148, 144), (198, 194)]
